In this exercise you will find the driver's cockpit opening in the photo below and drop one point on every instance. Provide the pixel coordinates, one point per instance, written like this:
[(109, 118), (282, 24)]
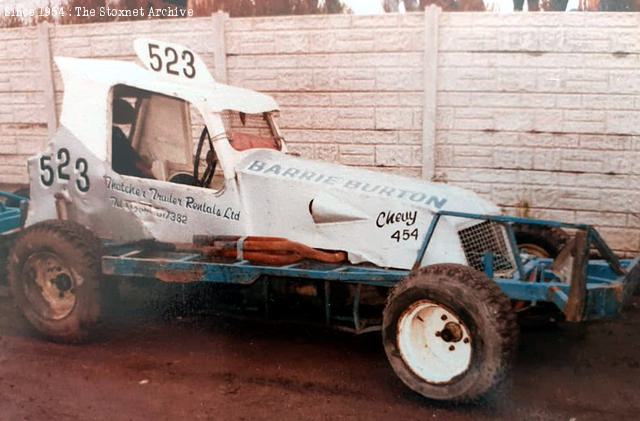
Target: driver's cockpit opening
[(151, 135), (166, 138)]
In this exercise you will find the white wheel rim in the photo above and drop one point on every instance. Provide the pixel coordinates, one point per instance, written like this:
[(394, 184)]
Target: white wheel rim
[(433, 342)]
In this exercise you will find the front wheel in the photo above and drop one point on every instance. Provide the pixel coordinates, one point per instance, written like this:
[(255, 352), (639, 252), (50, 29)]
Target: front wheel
[(449, 332), (54, 276)]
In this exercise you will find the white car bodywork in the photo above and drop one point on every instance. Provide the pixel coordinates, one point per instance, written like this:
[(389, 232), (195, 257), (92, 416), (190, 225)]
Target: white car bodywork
[(375, 217)]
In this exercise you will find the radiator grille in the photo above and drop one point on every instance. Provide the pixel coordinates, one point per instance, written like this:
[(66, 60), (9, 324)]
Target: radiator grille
[(487, 237)]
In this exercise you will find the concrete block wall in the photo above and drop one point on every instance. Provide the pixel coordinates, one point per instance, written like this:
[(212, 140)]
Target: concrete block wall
[(22, 128), (537, 112), (350, 87), (541, 113)]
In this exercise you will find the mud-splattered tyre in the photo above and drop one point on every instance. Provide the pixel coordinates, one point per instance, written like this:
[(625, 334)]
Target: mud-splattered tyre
[(54, 277), (449, 333)]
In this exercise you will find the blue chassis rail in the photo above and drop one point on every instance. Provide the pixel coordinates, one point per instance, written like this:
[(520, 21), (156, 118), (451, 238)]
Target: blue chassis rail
[(604, 289)]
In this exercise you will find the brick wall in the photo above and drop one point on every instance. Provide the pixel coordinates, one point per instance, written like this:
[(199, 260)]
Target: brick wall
[(537, 112)]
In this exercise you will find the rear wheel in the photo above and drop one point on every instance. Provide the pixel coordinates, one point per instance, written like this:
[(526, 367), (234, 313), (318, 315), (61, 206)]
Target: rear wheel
[(449, 332), (54, 276)]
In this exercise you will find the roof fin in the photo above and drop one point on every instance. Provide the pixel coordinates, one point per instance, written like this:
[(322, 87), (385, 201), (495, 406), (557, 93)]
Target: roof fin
[(172, 61)]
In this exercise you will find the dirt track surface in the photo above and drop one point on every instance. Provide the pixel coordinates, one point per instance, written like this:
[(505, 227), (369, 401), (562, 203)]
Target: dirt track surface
[(146, 365)]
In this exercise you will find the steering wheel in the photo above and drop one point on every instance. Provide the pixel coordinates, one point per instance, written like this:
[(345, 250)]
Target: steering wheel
[(211, 160)]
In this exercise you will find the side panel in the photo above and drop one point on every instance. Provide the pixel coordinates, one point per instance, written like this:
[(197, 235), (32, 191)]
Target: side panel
[(123, 208), (314, 209), (311, 210)]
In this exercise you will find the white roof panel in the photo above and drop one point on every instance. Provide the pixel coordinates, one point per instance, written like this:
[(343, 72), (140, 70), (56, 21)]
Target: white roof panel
[(213, 96)]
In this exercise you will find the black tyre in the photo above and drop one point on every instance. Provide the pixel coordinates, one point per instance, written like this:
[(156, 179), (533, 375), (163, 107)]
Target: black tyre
[(540, 241), (449, 332), (54, 276)]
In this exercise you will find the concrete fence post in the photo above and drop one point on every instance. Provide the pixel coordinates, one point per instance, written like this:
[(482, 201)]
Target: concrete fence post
[(430, 70), (219, 45), (46, 77)]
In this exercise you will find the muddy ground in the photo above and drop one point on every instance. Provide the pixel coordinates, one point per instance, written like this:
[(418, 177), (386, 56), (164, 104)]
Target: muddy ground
[(147, 364)]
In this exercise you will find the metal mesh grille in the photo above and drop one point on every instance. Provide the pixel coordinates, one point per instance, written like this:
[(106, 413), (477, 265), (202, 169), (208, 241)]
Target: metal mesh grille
[(487, 237)]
